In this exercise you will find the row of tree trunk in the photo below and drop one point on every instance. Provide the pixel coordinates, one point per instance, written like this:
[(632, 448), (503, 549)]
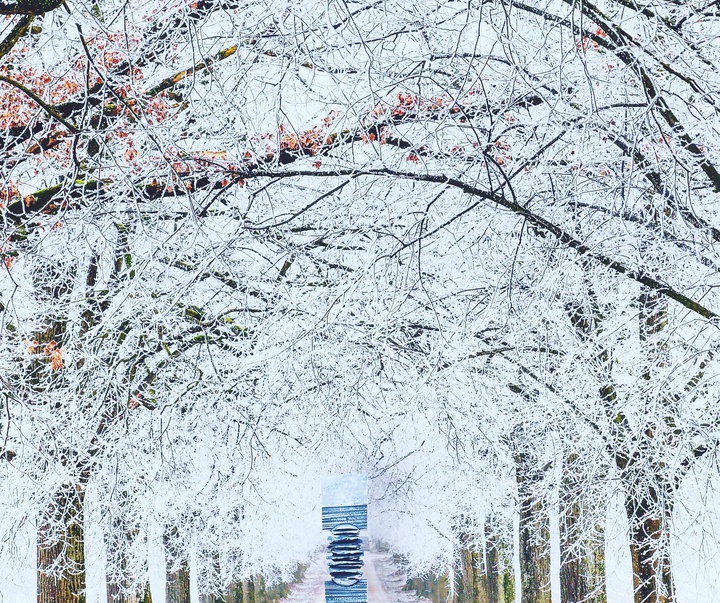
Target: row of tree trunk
[(177, 590), (484, 575), (66, 583)]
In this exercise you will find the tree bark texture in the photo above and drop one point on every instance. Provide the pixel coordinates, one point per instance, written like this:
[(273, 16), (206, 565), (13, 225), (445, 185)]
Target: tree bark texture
[(582, 577), (177, 584), (177, 572), (534, 535), (469, 585), (500, 588), (498, 574), (234, 593), (649, 535), (61, 535), (242, 592), (61, 549), (649, 498), (582, 561)]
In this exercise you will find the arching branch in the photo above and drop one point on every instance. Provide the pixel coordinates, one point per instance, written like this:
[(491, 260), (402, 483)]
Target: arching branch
[(29, 7)]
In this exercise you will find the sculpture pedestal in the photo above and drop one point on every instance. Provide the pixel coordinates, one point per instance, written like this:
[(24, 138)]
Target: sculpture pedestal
[(357, 593)]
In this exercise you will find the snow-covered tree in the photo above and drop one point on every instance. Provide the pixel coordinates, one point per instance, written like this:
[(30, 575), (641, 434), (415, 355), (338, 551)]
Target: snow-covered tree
[(233, 226)]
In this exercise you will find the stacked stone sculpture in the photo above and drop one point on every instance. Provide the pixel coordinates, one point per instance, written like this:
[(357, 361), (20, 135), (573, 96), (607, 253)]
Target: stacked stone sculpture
[(344, 513)]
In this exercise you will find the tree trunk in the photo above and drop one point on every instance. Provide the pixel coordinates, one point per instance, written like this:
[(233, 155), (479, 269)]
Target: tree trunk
[(118, 581), (467, 579), (146, 597), (177, 573), (234, 593), (61, 535), (582, 573), (469, 587), (649, 540), (116, 593), (435, 589), (491, 578), (498, 573), (582, 561), (534, 558), (210, 579), (582, 569), (249, 591), (534, 535), (177, 584), (61, 549), (649, 505), (143, 596)]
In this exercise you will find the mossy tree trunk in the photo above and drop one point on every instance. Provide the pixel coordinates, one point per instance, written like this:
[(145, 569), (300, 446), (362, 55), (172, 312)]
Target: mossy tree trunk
[(434, 589), (146, 596), (484, 574), (470, 566), (143, 596), (255, 590), (251, 594), (470, 587), (498, 568), (234, 593), (244, 591), (61, 549), (237, 592), (61, 533)]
